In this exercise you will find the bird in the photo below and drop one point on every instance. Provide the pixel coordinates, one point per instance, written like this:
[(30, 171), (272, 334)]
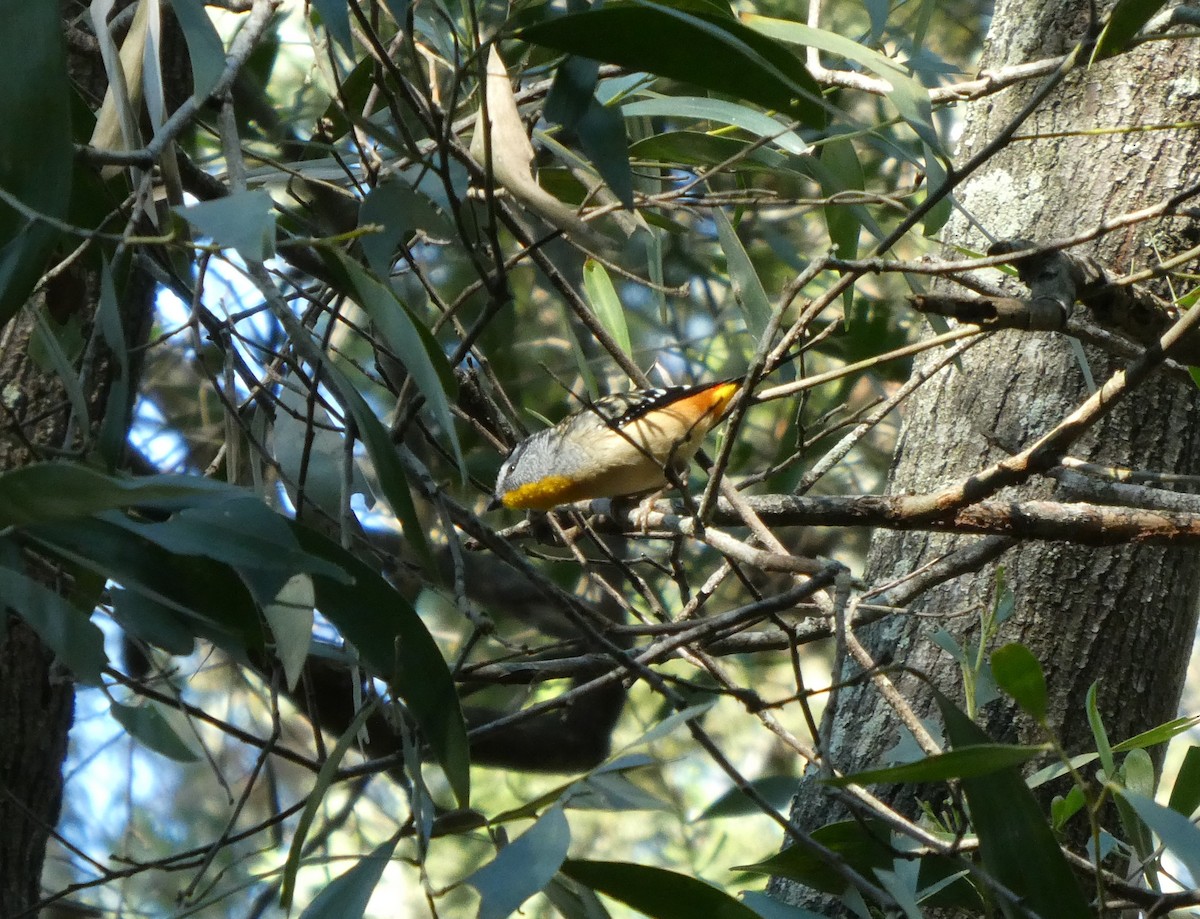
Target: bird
[(620, 445)]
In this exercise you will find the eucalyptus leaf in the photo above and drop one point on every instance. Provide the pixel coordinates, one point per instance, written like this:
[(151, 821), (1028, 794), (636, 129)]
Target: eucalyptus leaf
[(656, 892), (36, 146), (712, 51), (205, 49), (146, 724), (720, 111), (347, 895), (243, 221), (1177, 832), (65, 629), (523, 867)]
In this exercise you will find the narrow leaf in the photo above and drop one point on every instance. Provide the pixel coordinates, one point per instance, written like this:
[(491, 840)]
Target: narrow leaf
[(1177, 832), (204, 45), (1185, 793), (393, 641), (316, 797), (1016, 843), (722, 112), (335, 15), (290, 616), (969, 762), (1157, 735), (603, 299), (152, 622), (1124, 22), (114, 428), (210, 597), (36, 152), (603, 138), (715, 52), (243, 221), (1020, 675), (148, 727), (415, 347), (66, 630), (1099, 733), (523, 867), (910, 98), (776, 789), (43, 492), (388, 470), (747, 288), (656, 892), (347, 895)]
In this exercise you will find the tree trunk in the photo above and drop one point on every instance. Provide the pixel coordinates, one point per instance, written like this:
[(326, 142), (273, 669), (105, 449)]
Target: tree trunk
[(36, 694), (1124, 616)]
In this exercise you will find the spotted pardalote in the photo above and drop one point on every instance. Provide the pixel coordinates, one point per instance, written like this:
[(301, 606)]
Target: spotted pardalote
[(622, 444)]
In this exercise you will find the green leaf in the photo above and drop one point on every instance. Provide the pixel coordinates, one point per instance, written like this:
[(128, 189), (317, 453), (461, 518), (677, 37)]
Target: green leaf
[(48, 351), (862, 845), (768, 907), (567, 791), (747, 288), (572, 92), (36, 152), (523, 867), (290, 616), (146, 724), (722, 112), (415, 347), (843, 172), (204, 45), (1136, 775), (691, 148), (969, 762), (950, 645), (335, 15), (44, 492), (1160, 734), (1177, 832), (910, 98), (65, 629), (715, 52), (1107, 763), (401, 211), (612, 791), (1063, 809), (316, 798), (1020, 675), (602, 135), (935, 178), (243, 221), (347, 895), (393, 641), (671, 722), (243, 533), (603, 299), (210, 596), (114, 427), (656, 892), (1017, 845), (389, 472), (1185, 793), (1124, 22), (1137, 772), (776, 789), (152, 622)]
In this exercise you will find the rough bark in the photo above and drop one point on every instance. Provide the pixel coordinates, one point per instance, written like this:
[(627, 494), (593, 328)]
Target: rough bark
[(36, 694), (1124, 616)]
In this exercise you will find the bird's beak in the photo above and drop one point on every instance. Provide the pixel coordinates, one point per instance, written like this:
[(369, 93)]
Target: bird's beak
[(494, 504)]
